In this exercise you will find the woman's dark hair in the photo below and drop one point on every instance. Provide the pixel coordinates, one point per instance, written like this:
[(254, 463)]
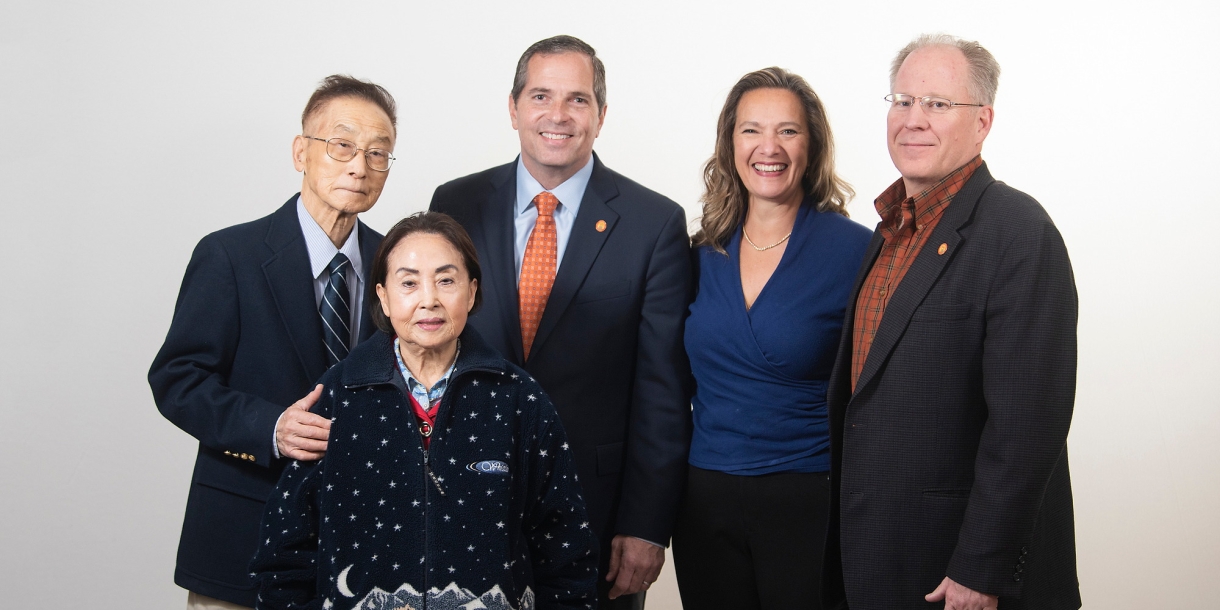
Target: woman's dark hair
[(433, 223)]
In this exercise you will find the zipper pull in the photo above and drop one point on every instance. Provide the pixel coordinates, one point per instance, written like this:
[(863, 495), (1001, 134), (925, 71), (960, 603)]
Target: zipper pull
[(432, 475)]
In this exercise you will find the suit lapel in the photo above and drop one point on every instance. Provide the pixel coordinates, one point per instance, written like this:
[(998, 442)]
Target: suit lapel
[(369, 241), (840, 377), (291, 283), (494, 234), (922, 276), (584, 244)]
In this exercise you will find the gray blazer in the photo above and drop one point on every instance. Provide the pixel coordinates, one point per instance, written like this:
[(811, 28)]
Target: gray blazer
[(950, 457)]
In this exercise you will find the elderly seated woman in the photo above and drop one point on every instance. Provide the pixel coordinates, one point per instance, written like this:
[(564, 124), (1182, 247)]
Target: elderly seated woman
[(447, 480)]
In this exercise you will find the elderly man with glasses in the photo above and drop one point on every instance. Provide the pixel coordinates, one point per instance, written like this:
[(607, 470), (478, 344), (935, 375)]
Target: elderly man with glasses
[(264, 309), (953, 389)]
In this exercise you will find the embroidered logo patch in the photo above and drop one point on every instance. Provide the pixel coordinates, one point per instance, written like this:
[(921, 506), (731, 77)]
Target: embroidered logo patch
[(488, 467)]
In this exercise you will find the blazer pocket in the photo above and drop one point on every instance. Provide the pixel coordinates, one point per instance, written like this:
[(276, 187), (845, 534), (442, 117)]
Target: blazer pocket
[(609, 458), (942, 313), (603, 291)]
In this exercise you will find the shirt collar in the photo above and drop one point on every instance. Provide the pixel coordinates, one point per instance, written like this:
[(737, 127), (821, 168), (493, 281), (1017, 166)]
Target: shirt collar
[(900, 213), (569, 193), (416, 386), (322, 250)]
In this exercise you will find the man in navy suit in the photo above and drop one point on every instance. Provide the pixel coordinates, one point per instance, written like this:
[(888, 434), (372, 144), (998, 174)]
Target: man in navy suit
[(952, 393), (604, 270), (264, 309)]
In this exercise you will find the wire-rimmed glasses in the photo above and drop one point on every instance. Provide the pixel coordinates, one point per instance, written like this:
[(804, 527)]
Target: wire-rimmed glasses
[(930, 103), (342, 150)]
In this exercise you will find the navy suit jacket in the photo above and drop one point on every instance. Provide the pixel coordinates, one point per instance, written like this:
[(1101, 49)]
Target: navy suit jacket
[(609, 346), (244, 344), (950, 457)]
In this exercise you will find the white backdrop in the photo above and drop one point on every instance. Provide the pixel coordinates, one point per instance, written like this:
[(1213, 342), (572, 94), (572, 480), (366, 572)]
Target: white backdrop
[(131, 129)]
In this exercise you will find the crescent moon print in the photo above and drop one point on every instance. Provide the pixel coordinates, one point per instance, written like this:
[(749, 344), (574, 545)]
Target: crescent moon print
[(341, 583)]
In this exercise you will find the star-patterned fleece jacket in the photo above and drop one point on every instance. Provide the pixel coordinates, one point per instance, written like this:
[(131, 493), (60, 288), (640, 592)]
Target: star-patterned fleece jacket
[(490, 513)]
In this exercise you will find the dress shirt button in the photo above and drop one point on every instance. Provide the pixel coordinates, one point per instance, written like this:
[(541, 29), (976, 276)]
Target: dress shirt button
[(881, 292)]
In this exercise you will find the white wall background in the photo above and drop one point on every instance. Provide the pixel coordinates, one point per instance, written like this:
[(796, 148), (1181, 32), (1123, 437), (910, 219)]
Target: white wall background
[(131, 129)]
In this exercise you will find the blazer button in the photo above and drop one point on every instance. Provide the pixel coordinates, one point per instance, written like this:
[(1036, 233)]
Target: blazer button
[(1016, 578)]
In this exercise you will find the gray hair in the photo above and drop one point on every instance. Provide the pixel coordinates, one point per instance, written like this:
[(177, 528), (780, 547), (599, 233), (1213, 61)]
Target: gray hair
[(341, 85), (984, 70), (554, 46)]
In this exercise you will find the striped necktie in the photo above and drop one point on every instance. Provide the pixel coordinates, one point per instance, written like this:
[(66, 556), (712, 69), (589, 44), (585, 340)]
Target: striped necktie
[(336, 313)]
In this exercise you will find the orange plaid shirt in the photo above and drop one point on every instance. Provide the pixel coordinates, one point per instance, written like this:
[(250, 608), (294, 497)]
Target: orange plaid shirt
[(906, 223)]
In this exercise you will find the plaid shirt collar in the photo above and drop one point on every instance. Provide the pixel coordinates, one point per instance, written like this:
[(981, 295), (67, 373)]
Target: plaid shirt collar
[(901, 215), (423, 395)]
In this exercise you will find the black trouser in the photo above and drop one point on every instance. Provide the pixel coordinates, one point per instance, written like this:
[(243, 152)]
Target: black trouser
[(751, 542)]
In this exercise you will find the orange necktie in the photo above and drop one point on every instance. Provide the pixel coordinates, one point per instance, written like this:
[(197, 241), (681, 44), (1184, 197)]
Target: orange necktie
[(537, 269)]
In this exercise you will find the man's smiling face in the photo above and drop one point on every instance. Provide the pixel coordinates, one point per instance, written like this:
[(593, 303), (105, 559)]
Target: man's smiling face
[(925, 146), (556, 116)]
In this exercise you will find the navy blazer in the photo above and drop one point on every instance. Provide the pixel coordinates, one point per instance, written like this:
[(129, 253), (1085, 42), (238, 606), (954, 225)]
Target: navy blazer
[(244, 344), (950, 457), (609, 346)]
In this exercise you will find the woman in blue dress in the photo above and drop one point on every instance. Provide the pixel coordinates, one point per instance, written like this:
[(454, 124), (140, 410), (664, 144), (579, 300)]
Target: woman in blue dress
[(776, 257)]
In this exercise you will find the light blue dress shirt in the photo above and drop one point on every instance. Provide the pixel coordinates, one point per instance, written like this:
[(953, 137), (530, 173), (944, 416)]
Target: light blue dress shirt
[(569, 195), (321, 251)]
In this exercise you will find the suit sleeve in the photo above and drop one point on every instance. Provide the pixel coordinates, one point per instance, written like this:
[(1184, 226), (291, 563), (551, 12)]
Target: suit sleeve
[(562, 546), (441, 203), (189, 375), (659, 436), (1029, 384)]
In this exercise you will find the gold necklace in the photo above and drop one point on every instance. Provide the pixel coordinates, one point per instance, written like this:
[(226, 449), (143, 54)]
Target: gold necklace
[(764, 248)]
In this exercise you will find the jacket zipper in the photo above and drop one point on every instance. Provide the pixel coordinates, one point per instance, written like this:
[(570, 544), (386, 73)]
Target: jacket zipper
[(432, 475), (429, 474), (427, 516)]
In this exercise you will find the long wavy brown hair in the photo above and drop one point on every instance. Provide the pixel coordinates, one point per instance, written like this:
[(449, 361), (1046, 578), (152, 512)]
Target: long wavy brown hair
[(725, 197)]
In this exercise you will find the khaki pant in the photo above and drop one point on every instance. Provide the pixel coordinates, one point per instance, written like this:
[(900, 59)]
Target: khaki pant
[(195, 601)]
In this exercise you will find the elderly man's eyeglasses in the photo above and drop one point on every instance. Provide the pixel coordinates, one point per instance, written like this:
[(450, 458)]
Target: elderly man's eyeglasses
[(935, 105), (345, 150)]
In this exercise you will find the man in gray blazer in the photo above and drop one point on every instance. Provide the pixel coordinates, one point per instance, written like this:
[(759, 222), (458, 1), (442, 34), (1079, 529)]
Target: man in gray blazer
[(953, 389)]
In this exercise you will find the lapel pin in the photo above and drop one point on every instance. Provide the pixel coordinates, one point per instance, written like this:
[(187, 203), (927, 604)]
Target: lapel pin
[(600, 226), (942, 249)]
